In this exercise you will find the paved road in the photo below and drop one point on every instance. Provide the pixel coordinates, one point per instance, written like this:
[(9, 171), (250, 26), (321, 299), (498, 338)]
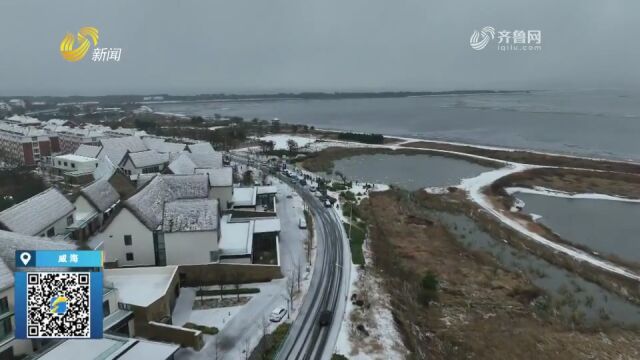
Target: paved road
[(328, 289)]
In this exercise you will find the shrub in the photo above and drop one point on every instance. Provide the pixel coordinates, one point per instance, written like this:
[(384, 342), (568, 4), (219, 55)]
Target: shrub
[(428, 291)]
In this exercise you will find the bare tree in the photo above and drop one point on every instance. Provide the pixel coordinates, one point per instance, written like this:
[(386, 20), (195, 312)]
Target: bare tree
[(237, 280), (291, 288), (221, 280), (298, 272)]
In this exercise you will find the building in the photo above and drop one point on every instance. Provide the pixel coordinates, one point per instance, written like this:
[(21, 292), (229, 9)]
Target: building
[(22, 120), (135, 234), (116, 148), (10, 347), (94, 205), (163, 146), (26, 146), (76, 169), (91, 151), (255, 198), (125, 132), (220, 184), (109, 347), (191, 230), (144, 162), (249, 240), (46, 214), (71, 138)]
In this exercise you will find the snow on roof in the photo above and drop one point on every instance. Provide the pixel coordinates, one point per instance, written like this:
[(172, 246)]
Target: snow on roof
[(10, 242), (244, 196), (109, 347), (218, 177), (147, 158), (236, 238), (36, 214), (141, 286), (56, 122), (202, 148), (148, 203), (190, 215), (182, 165), (149, 350), (88, 150), (21, 130), (266, 225), (116, 148), (75, 158), (101, 194), (143, 179), (163, 146), (267, 189), (105, 168), (23, 119), (206, 160)]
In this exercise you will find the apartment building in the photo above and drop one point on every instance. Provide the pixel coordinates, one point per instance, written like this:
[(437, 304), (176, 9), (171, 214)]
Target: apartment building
[(26, 146)]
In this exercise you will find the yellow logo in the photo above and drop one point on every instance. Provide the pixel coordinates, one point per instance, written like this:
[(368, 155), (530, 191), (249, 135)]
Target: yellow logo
[(66, 45)]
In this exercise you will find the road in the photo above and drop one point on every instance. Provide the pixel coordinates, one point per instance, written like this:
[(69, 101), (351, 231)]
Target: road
[(329, 286)]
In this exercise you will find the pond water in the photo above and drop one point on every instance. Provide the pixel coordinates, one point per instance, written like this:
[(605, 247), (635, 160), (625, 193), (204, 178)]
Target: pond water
[(605, 226), (569, 293), (411, 172)]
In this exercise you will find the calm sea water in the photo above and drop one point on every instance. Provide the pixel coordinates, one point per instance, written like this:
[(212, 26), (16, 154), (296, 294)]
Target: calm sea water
[(608, 227), (593, 123)]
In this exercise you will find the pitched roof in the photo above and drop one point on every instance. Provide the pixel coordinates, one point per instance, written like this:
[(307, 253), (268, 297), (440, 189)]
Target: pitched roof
[(202, 147), (101, 194), (206, 160), (88, 150), (36, 214), (190, 215), (143, 159), (148, 203), (218, 177), (106, 168), (10, 242), (163, 146), (182, 165), (116, 148)]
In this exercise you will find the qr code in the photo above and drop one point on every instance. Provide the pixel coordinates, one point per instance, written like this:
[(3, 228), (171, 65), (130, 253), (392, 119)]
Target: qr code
[(58, 305)]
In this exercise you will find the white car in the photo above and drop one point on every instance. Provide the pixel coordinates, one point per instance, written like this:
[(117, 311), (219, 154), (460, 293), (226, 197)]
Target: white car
[(277, 314), (302, 223)]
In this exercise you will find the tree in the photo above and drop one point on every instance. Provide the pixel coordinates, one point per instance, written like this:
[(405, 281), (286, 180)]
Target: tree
[(291, 288), (267, 146), (237, 280), (292, 145), (221, 280), (247, 177)]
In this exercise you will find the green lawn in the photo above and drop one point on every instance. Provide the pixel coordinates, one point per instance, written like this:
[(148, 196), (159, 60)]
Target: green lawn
[(356, 241)]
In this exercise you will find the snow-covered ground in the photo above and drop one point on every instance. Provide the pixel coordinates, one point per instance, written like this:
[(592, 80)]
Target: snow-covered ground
[(281, 140), (539, 190)]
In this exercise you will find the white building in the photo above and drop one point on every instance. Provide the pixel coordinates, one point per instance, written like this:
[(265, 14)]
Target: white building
[(191, 231), (46, 214), (144, 162), (94, 205), (135, 235), (74, 163), (220, 178)]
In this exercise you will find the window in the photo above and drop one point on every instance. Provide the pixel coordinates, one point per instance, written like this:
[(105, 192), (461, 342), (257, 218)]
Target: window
[(105, 308), (5, 327), (51, 232), (4, 305), (65, 164), (59, 162), (128, 240), (73, 165), (129, 256), (69, 219)]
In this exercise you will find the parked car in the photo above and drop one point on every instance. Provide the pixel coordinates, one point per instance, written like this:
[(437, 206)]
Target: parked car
[(327, 203), (312, 188), (325, 318), (302, 223), (277, 314)]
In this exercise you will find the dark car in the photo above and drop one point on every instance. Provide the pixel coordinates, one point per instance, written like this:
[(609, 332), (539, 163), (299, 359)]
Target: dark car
[(325, 318)]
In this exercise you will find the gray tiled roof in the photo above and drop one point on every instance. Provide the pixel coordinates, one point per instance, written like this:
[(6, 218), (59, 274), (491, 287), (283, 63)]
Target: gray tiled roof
[(190, 215), (116, 148), (202, 148), (148, 203), (36, 214), (218, 177), (182, 165), (88, 150), (148, 158), (101, 194), (106, 168), (207, 160), (10, 242)]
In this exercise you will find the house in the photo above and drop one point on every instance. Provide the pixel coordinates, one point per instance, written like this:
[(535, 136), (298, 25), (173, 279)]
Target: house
[(255, 198), (116, 148), (76, 169), (135, 234), (191, 230), (247, 239), (45, 214), (201, 148), (95, 204), (10, 347), (162, 146), (220, 178), (144, 162), (91, 151)]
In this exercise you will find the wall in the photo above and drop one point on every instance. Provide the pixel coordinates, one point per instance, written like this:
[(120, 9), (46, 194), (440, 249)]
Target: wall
[(223, 194), (212, 274), (125, 223), (190, 247), (19, 346), (174, 334)]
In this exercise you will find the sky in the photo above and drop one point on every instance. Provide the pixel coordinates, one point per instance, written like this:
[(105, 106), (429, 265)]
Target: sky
[(256, 46)]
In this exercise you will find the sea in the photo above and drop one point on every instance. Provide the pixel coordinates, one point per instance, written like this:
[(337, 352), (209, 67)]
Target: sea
[(588, 122)]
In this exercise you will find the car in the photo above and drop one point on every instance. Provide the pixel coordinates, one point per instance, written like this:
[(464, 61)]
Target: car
[(327, 203), (312, 188), (302, 223), (277, 314), (325, 318)]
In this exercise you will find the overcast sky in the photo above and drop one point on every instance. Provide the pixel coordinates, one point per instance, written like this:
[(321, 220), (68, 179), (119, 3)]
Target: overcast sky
[(193, 46)]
